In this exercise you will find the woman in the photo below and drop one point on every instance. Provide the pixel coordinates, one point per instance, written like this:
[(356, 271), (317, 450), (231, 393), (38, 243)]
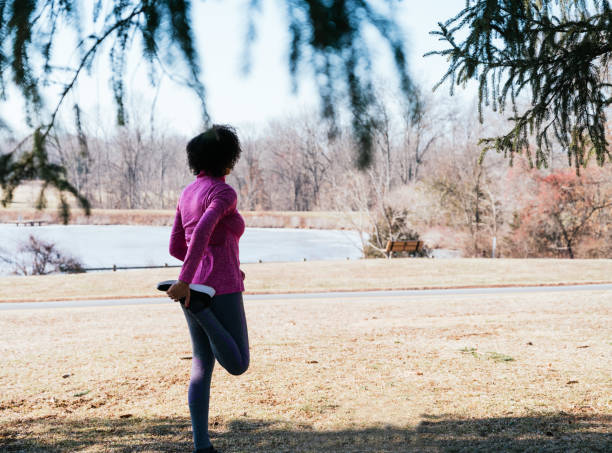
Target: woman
[(205, 236)]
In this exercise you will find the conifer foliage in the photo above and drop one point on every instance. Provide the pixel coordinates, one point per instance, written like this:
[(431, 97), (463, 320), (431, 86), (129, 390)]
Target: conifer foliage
[(325, 35), (559, 49)]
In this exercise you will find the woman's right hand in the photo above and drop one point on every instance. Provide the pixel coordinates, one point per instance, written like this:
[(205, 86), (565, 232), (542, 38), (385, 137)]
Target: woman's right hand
[(178, 291)]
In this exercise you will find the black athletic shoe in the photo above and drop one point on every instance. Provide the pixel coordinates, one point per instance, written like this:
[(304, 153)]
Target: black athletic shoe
[(200, 297), (165, 285)]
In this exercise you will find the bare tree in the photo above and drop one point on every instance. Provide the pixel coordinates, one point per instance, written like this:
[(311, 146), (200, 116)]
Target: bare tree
[(420, 133), (466, 188), (285, 163), (316, 156), (383, 139), (249, 177)]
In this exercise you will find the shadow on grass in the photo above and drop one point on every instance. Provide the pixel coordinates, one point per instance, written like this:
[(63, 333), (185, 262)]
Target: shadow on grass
[(546, 433)]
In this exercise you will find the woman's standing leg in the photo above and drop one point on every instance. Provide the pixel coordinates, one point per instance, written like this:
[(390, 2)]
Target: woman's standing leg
[(225, 324), (203, 361)]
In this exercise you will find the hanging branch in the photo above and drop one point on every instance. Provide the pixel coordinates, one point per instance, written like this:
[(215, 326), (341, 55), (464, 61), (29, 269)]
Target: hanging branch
[(565, 61), (328, 36)]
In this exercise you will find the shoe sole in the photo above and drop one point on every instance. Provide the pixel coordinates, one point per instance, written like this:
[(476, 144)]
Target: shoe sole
[(198, 300)]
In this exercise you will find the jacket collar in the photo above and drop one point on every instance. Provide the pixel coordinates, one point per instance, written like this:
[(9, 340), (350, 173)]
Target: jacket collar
[(202, 174)]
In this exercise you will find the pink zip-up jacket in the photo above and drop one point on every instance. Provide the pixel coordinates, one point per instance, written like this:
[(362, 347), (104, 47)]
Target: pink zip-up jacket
[(205, 235)]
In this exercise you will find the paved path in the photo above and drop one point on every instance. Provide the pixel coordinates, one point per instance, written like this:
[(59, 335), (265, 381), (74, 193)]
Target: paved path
[(328, 295)]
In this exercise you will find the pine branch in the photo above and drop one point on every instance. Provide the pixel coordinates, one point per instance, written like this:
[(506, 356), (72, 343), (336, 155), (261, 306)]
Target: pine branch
[(85, 60), (562, 73)]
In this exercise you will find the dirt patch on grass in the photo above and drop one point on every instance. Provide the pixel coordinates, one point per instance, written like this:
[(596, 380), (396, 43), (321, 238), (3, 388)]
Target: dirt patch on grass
[(349, 375), (313, 276)]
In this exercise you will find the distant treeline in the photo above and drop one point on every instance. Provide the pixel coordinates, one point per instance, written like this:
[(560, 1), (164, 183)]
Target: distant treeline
[(425, 181)]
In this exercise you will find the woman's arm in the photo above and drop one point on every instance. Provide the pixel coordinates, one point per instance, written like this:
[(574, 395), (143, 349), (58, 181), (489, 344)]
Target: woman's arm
[(223, 201), (178, 246), (234, 222)]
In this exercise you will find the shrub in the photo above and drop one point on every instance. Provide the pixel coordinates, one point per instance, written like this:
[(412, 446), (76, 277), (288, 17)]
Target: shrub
[(567, 213), (38, 257)]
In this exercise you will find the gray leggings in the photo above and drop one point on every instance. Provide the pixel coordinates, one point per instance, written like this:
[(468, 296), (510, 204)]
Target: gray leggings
[(217, 332)]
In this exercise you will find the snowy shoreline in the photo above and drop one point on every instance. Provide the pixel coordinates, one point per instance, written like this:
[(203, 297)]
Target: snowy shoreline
[(133, 245)]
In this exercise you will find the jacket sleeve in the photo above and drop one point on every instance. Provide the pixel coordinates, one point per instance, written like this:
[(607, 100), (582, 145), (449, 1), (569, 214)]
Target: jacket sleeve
[(223, 200), (234, 222), (178, 245)]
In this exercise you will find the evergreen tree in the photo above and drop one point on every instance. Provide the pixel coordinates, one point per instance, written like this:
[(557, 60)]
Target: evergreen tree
[(560, 49), (328, 35)]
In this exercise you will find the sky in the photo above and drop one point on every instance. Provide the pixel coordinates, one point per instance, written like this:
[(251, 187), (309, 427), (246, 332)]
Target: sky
[(264, 94)]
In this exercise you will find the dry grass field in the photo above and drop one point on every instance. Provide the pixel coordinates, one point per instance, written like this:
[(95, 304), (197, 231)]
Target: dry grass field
[(519, 372), (405, 273)]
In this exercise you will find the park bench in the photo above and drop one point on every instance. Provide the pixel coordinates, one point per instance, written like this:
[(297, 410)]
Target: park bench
[(30, 222), (403, 246)]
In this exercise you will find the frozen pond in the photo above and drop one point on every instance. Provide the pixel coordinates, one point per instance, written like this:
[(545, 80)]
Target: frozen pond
[(130, 245)]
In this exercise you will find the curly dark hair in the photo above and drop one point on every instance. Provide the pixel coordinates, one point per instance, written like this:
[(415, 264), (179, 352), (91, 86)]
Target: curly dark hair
[(214, 151)]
